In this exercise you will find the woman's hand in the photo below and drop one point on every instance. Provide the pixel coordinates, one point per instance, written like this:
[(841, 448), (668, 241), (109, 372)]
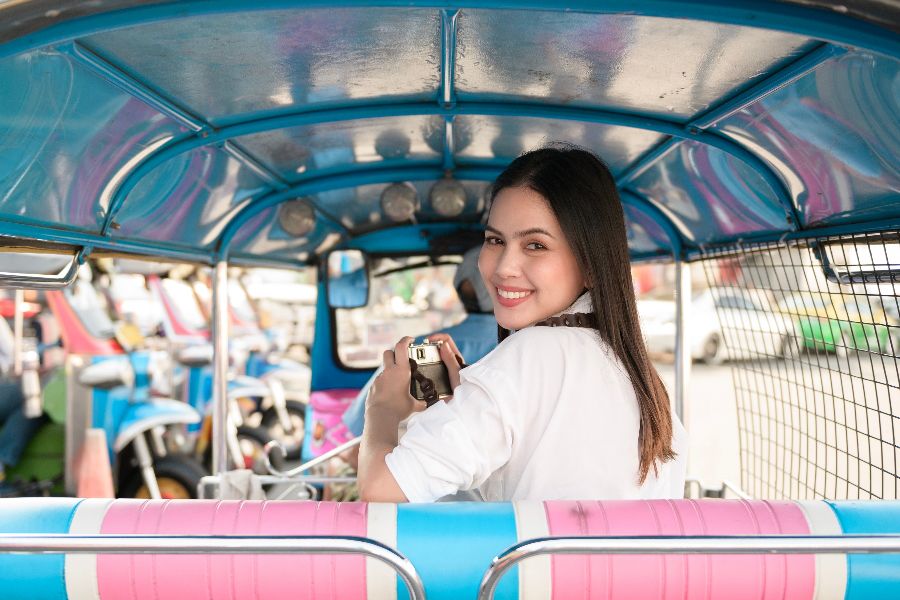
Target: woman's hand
[(388, 403), (390, 390), (451, 356)]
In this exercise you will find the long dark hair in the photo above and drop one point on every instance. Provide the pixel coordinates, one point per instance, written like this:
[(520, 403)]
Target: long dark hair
[(582, 193)]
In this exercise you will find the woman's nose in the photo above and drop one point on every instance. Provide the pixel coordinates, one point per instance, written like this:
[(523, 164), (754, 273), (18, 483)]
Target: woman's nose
[(508, 265)]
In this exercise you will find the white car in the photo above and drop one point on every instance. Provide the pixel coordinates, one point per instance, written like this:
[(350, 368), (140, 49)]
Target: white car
[(752, 328)]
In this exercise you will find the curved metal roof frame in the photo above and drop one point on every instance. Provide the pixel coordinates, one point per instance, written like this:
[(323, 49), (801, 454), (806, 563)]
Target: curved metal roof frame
[(777, 16), (694, 130), (179, 146), (30, 25), (204, 134)]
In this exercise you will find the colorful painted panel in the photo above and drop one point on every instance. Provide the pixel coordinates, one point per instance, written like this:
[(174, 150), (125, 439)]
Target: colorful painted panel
[(64, 134), (835, 133), (710, 195), (188, 199)]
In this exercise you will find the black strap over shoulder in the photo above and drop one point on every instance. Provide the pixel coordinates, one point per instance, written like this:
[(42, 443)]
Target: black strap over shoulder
[(570, 320), (566, 320)]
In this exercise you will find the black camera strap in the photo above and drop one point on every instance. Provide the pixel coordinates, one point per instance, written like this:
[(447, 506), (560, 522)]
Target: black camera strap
[(429, 391), (570, 320), (425, 384), (566, 320)]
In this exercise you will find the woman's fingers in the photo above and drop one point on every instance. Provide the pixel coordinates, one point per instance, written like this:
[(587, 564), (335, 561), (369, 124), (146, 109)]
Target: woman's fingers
[(447, 341), (401, 353), (452, 364), (390, 391)]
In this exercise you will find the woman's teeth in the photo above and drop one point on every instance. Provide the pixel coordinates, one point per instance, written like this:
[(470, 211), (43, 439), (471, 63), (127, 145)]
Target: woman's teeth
[(511, 295)]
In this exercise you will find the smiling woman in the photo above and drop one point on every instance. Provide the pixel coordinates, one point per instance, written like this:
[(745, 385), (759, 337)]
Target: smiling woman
[(555, 253), (530, 270), (758, 139)]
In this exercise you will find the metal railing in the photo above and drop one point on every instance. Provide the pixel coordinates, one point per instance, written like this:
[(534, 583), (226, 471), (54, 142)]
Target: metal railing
[(761, 544), (209, 485), (296, 471), (27, 543), (698, 488)]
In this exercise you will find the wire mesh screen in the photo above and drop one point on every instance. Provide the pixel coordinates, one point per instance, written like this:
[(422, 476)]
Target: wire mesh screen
[(812, 330)]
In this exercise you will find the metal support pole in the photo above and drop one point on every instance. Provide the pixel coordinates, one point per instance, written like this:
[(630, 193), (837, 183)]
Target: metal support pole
[(145, 461), (682, 349), (449, 19), (220, 369), (215, 544), (18, 332), (759, 544)]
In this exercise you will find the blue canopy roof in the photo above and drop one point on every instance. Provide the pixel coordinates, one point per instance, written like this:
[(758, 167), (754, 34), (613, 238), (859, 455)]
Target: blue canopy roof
[(178, 129)]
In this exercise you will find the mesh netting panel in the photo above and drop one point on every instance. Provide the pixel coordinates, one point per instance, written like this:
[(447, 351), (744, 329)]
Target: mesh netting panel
[(813, 333)]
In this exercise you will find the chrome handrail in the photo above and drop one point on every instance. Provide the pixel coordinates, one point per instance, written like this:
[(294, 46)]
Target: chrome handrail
[(209, 481), (759, 544), (40, 543), (308, 464)]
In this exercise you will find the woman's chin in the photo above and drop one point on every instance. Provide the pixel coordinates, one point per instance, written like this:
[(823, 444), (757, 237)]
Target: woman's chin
[(511, 322)]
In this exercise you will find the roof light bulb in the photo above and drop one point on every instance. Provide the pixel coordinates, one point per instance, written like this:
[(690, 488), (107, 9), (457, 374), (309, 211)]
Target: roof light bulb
[(399, 201), (448, 197), (297, 217)]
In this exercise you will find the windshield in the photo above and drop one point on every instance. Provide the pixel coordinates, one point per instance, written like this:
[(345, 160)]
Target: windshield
[(412, 302), (184, 303)]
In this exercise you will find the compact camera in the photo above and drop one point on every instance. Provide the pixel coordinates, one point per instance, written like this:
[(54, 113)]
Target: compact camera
[(428, 361)]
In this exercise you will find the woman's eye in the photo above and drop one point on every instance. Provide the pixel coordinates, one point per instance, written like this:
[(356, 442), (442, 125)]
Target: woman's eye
[(492, 240), (535, 246)]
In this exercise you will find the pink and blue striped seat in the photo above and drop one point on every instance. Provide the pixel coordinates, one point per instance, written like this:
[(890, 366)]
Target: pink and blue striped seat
[(451, 546)]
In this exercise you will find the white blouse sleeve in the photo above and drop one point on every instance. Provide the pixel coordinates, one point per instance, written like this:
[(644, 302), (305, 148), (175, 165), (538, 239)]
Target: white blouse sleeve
[(457, 445)]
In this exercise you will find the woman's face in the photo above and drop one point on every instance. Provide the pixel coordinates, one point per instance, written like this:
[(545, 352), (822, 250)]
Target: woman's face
[(526, 261)]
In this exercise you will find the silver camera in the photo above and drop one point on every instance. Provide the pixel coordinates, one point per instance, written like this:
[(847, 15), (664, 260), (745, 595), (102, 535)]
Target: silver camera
[(428, 363)]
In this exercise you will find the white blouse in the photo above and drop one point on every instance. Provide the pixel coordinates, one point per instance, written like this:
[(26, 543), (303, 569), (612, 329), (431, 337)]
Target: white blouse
[(549, 414)]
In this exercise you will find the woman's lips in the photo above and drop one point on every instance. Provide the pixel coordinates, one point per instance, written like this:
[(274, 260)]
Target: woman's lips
[(509, 297)]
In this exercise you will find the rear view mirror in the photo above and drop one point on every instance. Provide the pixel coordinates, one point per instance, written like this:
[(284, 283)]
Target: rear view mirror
[(27, 268), (860, 260), (348, 279)]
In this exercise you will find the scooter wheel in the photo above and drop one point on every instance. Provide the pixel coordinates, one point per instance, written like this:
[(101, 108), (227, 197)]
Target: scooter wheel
[(292, 441), (252, 441), (177, 477)]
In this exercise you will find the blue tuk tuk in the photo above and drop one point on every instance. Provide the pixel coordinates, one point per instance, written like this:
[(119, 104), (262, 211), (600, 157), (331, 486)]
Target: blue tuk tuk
[(756, 139)]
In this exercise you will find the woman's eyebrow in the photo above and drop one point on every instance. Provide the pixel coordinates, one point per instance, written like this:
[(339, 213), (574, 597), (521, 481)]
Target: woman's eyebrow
[(523, 233)]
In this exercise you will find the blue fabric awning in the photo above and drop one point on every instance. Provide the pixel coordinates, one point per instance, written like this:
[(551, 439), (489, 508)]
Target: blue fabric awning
[(179, 128)]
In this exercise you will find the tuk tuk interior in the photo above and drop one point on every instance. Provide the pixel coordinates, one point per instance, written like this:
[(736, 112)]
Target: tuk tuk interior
[(757, 141)]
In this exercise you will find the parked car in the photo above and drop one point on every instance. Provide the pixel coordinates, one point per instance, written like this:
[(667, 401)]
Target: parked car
[(754, 330), (842, 322)]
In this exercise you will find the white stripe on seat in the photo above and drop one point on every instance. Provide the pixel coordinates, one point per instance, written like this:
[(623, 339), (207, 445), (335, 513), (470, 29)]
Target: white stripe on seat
[(535, 578), (81, 569), (381, 526), (831, 569)]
